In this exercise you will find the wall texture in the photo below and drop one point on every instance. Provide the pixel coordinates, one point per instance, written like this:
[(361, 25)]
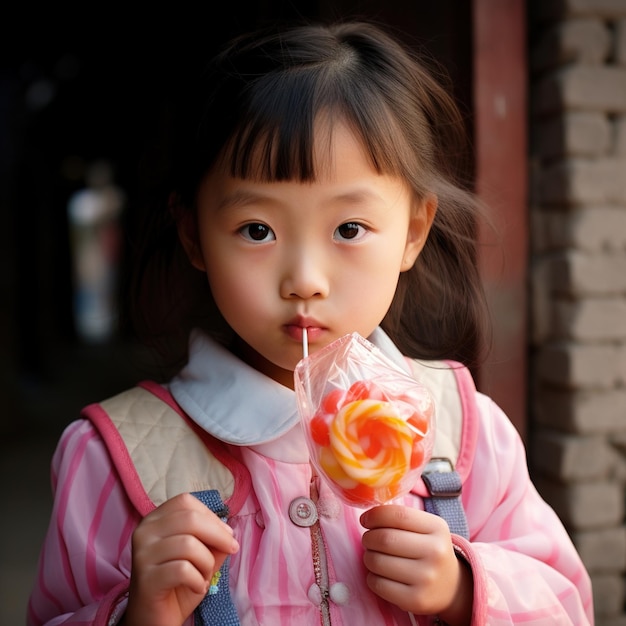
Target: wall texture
[(578, 280)]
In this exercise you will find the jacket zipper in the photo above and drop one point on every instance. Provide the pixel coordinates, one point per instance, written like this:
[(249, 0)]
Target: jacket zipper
[(320, 562)]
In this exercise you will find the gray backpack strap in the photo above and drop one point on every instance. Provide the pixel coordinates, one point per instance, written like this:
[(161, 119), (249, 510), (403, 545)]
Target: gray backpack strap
[(444, 485), (216, 609)]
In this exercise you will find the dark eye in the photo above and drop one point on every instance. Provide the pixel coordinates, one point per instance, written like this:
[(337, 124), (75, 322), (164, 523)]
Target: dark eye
[(257, 232), (350, 230)]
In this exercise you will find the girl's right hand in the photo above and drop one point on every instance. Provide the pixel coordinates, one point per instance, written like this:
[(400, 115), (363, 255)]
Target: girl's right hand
[(176, 549)]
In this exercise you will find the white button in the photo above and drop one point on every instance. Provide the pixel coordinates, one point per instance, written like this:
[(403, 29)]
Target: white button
[(259, 519), (302, 512), (339, 593), (315, 594)]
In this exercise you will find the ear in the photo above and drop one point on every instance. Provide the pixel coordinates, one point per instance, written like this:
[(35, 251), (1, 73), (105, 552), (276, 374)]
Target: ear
[(187, 227), (419, 227)]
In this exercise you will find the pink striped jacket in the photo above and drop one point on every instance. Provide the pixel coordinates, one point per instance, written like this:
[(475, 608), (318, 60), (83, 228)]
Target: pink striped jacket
[(526, 570)]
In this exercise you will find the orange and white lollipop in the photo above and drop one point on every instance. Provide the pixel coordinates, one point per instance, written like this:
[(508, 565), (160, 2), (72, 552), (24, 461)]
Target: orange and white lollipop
[(371, 443), (367, 447)]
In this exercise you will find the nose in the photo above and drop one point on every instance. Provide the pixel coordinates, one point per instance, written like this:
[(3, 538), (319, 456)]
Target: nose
[(304, 276)]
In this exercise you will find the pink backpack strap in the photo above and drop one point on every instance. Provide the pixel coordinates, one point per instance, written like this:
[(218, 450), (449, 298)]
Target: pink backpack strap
[(140, 411), (442, 479), (469, 416), (456, 412)]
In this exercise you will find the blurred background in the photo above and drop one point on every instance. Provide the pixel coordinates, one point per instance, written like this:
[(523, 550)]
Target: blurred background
[(82, 92)]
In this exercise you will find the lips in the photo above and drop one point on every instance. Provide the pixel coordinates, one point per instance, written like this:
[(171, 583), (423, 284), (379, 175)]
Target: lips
[(314, 329)]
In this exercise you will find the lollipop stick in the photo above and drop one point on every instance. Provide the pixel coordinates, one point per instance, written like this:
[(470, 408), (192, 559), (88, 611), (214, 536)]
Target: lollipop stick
[(305, 353)]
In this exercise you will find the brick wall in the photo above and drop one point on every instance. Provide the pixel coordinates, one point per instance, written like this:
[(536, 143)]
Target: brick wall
[(577, 51)]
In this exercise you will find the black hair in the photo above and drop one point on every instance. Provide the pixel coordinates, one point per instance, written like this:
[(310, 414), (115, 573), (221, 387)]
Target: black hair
[(254, 110)]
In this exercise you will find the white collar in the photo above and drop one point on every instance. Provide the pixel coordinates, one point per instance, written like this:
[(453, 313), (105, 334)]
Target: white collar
[(236, 403)]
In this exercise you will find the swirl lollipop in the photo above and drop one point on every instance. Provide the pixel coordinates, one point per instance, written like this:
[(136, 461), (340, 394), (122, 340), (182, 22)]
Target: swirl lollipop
[(370, 440)]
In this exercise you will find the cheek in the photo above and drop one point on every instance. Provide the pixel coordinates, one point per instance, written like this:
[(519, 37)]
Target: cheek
[(234, 287), (370, 286), (380, 266), (381, 279)]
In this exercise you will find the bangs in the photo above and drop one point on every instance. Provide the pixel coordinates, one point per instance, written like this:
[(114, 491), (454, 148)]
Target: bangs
[(287, 115), (265, 104)]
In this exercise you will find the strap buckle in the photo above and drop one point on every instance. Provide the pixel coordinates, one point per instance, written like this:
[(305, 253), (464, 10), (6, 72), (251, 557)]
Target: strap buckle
[(441, 479), (438, 464)]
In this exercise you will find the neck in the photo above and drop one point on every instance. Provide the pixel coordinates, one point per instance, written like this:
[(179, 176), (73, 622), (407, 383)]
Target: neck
[(250, 356)]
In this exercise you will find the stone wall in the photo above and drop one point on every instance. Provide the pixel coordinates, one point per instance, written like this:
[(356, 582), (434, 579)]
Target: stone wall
[(577, 58)]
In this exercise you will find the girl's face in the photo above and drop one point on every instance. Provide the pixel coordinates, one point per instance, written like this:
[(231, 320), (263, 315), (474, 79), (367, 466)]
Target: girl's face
[(325, 255)]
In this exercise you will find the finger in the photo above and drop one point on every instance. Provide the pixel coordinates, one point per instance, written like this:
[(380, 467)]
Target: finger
[(403, 596), (180, 548), (174, 574), (403, 518), (204, 525), (399, 569), (185, 515), (402, 543), (184, 503), (436, 547)]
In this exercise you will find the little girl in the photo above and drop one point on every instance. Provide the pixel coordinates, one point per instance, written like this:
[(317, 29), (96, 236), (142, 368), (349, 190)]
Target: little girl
[(315, 185)]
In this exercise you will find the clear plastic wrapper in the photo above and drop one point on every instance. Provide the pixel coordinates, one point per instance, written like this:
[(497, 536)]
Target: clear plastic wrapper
[(369, 425)]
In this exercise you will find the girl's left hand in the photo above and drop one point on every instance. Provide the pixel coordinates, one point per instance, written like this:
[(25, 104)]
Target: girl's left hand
[(411, 563)]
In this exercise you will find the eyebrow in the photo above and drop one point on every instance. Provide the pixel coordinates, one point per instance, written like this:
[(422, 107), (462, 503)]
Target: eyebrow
[(359, 196), (239, 198), (242, 197)]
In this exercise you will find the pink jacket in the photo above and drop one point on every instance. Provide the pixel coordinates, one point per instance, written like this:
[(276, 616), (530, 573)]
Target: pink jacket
[(525, 568)]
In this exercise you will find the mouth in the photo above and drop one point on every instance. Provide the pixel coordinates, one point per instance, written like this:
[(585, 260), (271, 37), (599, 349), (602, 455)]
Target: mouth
[(314, 329)]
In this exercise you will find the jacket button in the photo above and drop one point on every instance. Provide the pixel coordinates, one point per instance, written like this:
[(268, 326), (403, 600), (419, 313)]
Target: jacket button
[(339, 593), (302, 512), (315, 594)]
